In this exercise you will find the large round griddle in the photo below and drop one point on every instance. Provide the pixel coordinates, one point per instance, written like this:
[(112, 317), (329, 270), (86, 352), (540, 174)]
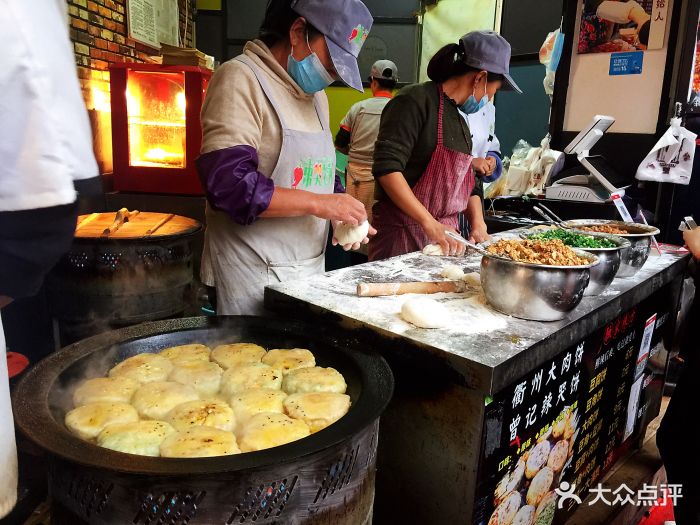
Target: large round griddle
[(44, 394)]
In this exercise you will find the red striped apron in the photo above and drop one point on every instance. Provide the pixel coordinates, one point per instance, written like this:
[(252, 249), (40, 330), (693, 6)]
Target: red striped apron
[(444, 189)]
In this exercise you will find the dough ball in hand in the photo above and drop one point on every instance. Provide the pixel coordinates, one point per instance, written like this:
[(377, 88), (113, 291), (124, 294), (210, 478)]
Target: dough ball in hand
[(433, 249), (425, 313), (348, 234)]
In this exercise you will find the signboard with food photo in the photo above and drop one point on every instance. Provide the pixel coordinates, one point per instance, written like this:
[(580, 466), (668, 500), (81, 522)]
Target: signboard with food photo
[(613, 26), (563, 425)]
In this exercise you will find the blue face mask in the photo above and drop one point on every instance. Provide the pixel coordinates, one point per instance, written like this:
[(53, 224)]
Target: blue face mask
[(471, 106), (309, 73)]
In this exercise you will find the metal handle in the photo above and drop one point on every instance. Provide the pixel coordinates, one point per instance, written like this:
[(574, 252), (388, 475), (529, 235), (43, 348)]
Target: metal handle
[(551, 213), (457, 237)]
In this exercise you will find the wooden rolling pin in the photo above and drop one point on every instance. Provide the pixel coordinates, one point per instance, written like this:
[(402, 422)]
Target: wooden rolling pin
[(382, 289)]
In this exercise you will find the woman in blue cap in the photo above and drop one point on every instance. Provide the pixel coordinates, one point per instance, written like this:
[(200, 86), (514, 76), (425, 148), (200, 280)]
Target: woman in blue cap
[(268, 159), (423, 155)]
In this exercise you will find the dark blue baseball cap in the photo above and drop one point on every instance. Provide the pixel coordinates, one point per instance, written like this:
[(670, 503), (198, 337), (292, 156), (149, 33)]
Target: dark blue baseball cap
[(489, 51), (345, 24)]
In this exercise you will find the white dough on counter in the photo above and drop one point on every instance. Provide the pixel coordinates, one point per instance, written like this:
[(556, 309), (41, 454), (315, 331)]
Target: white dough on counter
[(425, 313), (433, 249), (452, 272), (472, 279), (348, 234)]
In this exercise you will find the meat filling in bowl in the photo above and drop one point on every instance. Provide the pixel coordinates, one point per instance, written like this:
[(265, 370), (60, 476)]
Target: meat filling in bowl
[(549, 253), (604, 228)]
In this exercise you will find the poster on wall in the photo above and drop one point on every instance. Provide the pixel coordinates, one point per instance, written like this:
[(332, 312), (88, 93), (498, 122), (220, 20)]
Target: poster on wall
[(613, 26), (552, 435), (447, 21), (153, 21)]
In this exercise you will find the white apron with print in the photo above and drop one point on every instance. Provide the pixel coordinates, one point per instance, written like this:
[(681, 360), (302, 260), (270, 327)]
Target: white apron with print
[(242, 260)]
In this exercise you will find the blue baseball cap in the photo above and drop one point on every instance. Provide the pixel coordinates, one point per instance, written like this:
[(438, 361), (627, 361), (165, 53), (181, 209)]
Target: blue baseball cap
[(345, 25), (489, 51)]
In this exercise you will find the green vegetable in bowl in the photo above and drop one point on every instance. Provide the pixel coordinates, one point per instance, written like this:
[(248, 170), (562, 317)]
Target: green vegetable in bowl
[(573, 239)]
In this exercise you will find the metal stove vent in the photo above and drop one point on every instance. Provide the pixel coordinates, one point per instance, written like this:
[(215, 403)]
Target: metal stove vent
[(338, 475), (170, 508), (263, 502)]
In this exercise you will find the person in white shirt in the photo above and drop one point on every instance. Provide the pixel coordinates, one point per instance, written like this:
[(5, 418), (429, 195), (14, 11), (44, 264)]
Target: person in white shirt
[(46, 159)]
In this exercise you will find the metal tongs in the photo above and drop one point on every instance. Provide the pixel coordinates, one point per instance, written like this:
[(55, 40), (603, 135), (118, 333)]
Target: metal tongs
[(457, 237), (549, 216)]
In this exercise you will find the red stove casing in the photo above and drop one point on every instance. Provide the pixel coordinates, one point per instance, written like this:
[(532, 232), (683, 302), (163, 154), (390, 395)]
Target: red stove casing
[(156, 128)]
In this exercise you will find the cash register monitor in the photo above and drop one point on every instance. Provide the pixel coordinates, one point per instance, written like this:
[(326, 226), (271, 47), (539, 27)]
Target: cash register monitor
[(600, 180), (589, 136)]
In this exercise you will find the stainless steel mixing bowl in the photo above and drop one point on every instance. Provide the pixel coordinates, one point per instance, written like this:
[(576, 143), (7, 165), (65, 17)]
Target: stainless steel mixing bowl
[(639, 236), (609, 261), (533, 291)]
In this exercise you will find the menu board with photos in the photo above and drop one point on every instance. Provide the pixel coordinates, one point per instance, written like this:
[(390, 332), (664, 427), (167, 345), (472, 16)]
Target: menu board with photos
[(569, 420)]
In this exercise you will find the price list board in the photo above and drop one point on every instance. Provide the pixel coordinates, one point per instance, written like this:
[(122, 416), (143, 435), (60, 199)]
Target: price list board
[(566, 423)]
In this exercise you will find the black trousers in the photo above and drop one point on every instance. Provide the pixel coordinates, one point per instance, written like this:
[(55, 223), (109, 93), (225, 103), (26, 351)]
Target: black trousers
[(677, 441)]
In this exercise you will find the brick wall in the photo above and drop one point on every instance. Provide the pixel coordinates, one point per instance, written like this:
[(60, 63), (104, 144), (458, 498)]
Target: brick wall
[(98, 29)]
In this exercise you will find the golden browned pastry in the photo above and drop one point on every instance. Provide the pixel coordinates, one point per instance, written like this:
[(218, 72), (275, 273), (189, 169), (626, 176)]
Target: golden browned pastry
[(105, 390), (202, 413), (186, 353), (256, 401), (525, 516), (203, 376), (314, 379), (545, 435), (269, 430), (88, 421), (199, 442), (155, 400), (510, 482), (537, 458), (237, 354), (571, 425), (288, 360), (247, 377), (506, 511), (144, 368), (317, 409), (544, 515), (539, 486), (558, 455), (142, 437)]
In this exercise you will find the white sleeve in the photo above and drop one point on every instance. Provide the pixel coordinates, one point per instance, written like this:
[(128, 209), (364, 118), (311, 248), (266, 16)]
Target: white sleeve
[(45, 137), (614, 11)]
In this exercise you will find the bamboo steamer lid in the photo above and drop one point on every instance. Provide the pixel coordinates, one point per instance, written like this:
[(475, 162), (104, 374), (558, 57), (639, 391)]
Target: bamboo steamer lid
[(133, 225)]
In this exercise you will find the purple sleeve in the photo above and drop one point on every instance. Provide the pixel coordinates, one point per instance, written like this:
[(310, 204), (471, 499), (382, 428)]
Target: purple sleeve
[(499, 167), (233, 183), (339, 188)]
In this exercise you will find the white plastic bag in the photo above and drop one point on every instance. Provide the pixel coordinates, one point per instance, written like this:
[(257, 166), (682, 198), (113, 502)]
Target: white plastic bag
[(671, 160)]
